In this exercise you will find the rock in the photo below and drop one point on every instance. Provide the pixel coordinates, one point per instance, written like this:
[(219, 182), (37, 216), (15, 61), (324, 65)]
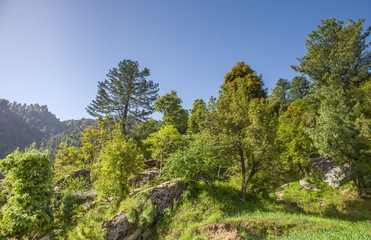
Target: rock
[(165, 195), (152, 163), (87, 196), (161, 196), (307, 185), (49, 235), (143, 178), (120, 228), (85, 173), (80, 173), (332, 174), (220, 232)]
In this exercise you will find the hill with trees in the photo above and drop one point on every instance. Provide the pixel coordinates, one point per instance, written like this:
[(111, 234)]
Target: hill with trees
[(22, 124), (291, 164)]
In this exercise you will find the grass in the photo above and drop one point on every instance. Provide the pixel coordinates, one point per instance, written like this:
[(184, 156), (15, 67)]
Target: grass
[(206, 213), (332, 203), (89, 224), (340, 216)]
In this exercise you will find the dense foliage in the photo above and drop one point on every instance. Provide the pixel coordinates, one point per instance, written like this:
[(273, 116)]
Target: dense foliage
[(27, 190), (239, 157)]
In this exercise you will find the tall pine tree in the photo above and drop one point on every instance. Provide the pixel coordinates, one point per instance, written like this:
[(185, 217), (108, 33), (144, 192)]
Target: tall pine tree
[(126, 95), (338, 63)]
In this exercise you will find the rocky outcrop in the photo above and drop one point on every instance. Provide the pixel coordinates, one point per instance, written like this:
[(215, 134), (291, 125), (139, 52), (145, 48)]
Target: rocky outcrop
[(152, 163), (143, 178), (331, 172), (161, 196), (165, 195), (80, 173), (120, 228)]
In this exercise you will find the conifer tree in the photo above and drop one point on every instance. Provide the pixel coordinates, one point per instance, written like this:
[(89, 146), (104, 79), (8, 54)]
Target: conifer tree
[(126, 95), (338, 62)]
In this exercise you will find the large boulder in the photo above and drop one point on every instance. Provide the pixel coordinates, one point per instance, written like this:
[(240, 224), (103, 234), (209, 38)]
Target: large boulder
[(331, 172), (120, 228), (165, 195), (161, 196)]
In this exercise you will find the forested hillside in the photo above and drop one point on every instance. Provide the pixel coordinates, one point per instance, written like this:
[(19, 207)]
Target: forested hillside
[(21, 125), (291, 163)]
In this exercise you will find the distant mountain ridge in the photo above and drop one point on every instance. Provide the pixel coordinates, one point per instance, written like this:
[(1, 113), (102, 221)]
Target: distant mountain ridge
[(22, 124)]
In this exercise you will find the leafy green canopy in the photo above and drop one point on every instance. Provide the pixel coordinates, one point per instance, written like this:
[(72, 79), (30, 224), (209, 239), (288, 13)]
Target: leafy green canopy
[(199, 116), (118, 159), (28, 189), (163, 142), (173, 112), (126, 95), (338, 62), (239, 119), (204, 159)]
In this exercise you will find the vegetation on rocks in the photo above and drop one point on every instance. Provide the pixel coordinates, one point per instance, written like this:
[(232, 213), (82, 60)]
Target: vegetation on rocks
[(292, 164)]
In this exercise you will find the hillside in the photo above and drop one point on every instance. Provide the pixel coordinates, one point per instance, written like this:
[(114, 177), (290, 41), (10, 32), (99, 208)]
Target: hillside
[(21, 125), (174, 209), (290, 164)]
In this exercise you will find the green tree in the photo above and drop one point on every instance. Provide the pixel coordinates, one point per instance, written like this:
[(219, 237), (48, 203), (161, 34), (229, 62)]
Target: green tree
[(119, 159), (199, 115), (173, 113), (241, 85), (299, 88), (28, 189), (126, 95), (296, 146), (280, 93), (163, 142), (204, 159), (67, 160), (259, 145), (144, 129), (70, 158), (338, 63)]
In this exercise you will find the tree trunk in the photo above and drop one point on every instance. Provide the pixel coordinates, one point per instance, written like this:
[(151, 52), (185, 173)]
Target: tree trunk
[(357, 183), (243, 192), (243, 176), (125, 116)]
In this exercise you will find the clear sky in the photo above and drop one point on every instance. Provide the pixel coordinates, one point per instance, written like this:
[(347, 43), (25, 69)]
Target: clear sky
[(55, 52)]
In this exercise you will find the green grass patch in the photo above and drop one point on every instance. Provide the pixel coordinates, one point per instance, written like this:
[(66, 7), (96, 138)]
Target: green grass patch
[(204, 209), (341, 203)]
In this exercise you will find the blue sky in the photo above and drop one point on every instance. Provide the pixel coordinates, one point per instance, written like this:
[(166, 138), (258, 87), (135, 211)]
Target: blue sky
[(55, 52)]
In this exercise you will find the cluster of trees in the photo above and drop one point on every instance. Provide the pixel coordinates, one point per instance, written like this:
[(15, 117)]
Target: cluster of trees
[(244, 134), (21, 125)]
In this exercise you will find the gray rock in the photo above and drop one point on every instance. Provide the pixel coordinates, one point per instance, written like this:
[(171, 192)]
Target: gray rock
[(49, 235), (332, 173), (165, 195), (120, 228), (143, 178), (161, 196), (307, 185)]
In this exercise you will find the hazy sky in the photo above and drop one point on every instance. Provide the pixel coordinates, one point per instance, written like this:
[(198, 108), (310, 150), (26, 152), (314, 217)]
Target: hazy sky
[(55, 52)]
